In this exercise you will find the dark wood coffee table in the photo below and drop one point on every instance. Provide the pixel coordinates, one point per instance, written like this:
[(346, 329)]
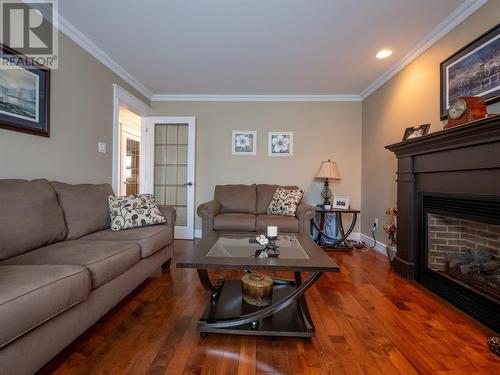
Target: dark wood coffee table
[(226, 312)]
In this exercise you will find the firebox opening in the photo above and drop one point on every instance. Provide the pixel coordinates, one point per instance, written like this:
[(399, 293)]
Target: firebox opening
[(459, 251), (465, 251)]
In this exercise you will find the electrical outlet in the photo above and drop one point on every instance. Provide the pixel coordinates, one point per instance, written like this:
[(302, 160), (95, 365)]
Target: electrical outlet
[(375, 222)]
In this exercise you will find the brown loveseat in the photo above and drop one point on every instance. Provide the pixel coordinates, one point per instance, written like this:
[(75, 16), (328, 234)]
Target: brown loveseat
[(61, 268), (243, 208)]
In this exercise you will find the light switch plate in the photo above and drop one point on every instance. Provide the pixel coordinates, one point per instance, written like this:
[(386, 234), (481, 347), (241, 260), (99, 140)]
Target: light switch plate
[(101, 147)]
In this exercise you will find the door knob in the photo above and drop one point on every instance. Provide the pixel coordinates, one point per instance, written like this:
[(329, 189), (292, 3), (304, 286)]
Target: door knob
[(188, 184)]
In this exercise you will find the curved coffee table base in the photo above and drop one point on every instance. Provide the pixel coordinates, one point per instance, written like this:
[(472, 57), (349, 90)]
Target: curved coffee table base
[(288, 315)]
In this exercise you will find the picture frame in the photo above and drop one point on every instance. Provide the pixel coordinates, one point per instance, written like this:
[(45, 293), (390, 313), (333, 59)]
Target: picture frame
[(244, 142), (416, 131), (468, 72), (24, 94), (280, 143), (341, 202)]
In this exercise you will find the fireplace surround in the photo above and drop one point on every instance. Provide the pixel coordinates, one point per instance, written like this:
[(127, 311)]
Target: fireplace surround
[(448, 191)]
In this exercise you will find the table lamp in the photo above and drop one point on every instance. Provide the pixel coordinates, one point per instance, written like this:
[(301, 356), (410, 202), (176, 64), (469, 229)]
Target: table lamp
[(329, 171)]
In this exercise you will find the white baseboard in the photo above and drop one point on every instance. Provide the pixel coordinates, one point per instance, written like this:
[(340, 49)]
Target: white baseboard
[(354, 236), (197, 233), (379, 246)]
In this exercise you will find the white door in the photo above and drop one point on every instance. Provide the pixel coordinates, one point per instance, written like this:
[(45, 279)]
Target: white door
[(170, 161)]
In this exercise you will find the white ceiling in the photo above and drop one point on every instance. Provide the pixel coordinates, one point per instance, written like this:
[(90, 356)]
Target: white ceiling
[(260, 47)]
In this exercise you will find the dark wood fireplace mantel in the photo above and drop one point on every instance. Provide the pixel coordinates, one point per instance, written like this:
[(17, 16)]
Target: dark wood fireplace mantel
[(464, 159)]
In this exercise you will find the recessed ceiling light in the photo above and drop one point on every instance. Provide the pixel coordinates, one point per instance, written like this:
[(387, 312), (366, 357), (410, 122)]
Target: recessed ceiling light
[(382, 54)]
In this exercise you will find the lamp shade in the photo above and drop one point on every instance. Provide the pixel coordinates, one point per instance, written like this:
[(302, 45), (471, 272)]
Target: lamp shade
[(328, 169)]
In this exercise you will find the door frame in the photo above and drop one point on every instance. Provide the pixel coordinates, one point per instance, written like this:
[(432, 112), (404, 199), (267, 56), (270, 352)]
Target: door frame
[(122, 97), (186, 233)]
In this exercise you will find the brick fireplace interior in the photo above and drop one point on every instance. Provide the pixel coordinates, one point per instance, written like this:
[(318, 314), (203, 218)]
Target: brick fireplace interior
[(465, 251), (460, 238)]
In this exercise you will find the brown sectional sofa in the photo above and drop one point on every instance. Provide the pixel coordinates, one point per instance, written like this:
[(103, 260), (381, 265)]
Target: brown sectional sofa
[(243, 208), (62, 268)]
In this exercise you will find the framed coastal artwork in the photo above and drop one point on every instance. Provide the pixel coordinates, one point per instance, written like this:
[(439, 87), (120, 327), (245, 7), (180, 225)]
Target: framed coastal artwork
[(244, 142), (24, 94), (280, 144), (472, 71)]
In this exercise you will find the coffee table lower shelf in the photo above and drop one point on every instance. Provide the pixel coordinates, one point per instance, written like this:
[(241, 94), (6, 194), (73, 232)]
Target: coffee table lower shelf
[(291, 321)]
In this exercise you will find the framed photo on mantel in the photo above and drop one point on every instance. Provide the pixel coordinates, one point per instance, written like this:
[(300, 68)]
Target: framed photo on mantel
[(416, 131), (472, 71), (24, 94)]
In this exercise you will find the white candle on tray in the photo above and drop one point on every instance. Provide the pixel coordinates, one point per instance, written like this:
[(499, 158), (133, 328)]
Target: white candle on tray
[(272, 231)]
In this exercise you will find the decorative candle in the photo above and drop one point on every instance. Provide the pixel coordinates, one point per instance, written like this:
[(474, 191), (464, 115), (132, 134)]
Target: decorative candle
[(272, 231)]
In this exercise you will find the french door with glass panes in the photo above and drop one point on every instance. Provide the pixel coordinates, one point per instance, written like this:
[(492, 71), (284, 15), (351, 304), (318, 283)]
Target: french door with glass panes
[(170, 162)]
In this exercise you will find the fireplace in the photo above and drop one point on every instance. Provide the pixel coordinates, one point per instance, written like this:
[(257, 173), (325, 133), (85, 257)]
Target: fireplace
[(448, 202), (460, 236)]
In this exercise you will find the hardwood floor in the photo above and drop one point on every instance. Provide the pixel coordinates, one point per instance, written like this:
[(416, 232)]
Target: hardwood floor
[(368, 321)]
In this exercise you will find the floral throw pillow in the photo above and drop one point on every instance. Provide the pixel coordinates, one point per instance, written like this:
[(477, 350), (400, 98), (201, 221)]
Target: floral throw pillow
[(285, 202), (132, 211)]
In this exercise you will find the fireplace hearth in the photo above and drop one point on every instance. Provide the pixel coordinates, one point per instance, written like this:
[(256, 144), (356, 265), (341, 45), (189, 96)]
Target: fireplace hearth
[(449, 216)]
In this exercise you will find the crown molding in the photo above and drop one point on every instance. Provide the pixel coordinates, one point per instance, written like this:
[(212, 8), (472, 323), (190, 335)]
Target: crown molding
[(79, 38), (449, 23), (255, 98)]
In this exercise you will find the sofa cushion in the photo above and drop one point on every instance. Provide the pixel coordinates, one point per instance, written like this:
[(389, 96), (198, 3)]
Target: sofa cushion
[(150, 239), (85, 207), (31, 216), (236, 198), (285, 224), (265, 196), (31, 295), (235, 222), (104, 259)]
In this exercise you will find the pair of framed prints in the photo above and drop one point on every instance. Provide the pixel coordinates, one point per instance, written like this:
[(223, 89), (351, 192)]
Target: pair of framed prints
[(244, 142)]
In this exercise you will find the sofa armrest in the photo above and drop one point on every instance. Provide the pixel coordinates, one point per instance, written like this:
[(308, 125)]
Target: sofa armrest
[(168, 213), (305, 213), (207, 211)]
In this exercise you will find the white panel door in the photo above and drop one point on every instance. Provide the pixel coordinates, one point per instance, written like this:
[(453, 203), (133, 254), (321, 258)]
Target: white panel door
[(170, 167)]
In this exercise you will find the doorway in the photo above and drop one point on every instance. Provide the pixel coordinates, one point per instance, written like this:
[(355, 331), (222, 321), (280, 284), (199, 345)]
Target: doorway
[(129, 151), (170, 167), (129, 113)]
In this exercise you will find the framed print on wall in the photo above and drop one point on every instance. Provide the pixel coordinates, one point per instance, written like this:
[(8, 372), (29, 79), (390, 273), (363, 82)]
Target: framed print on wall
[(472, 71), (24, 94), (244, 142), (280, 144)]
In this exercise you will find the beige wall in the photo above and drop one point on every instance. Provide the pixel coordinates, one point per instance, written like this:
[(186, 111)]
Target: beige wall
[(81, 114), (410, 98), (322, 130)]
